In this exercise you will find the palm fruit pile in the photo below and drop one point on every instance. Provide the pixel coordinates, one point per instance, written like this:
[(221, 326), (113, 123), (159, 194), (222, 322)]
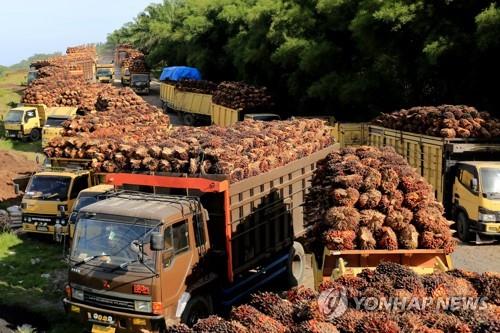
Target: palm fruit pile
[(139, 141), (243, 97), (196, 86), (300, 311), (368, 198), (448, 121)]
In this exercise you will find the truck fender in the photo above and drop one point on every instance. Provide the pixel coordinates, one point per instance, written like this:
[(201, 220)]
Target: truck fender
[(181, 304)]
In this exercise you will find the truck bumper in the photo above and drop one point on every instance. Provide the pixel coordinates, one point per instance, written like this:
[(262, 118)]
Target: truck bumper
[(41, 229), (488, 229), (122, 322), (13, 134)]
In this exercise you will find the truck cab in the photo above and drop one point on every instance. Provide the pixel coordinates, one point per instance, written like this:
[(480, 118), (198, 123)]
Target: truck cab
[(140, 82), (49, 197), (104, 73), (262, 116), (476, 200), (53, 125), (136, 263), (25, 122)]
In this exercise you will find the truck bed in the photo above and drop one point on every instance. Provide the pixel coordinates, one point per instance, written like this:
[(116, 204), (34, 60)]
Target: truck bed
[(334, 264), (250, 220), (431, 156)]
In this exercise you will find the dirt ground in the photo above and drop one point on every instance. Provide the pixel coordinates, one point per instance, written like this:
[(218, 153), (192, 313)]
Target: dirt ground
[(11, 165)]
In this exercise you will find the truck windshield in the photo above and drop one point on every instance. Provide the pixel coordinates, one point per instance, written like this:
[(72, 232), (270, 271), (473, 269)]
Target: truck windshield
[(14, 116), (140, 78), (32, 76), (55, 121), (48, 188), (84, 201), (116, 242), (490, 180), (104, 72)]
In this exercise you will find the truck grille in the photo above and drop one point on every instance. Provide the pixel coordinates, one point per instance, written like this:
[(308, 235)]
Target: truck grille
[(32, 218), (108, 301)]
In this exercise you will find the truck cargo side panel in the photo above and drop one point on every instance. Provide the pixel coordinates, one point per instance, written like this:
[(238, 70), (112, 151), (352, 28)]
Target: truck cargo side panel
[(224, 116), (266, 211), (193, 102), (433, 167), (351, 134)]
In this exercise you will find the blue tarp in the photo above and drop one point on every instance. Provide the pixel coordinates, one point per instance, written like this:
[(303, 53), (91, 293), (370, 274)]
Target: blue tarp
[(177, 73)]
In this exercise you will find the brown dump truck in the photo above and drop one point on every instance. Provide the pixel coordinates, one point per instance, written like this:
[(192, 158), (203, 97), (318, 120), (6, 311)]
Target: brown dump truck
[(191, 247)]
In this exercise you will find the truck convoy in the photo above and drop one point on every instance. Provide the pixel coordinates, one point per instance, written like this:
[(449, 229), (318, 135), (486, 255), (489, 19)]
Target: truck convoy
[(53, 125), (105, 73), (194, 107), (26, 121), (194, 246)]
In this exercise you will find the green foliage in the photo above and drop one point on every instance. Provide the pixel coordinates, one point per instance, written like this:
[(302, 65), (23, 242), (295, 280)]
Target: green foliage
[(352, 58), (488, 27)]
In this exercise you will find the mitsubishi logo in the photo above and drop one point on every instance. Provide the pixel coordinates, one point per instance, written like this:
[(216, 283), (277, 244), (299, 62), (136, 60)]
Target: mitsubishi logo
[(106, 284)]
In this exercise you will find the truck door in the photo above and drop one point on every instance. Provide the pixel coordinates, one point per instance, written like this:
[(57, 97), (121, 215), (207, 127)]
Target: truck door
[(177, 260), (30, 121), (465, 196)]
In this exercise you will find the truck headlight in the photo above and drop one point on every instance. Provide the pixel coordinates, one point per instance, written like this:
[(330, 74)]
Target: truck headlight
[(77, 294), (487, 215), (142, 306)]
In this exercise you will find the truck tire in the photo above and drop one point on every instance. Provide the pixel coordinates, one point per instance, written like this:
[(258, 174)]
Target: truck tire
[(463, 227), (35, 134), (198, 307), (296, 264), (188, 119)]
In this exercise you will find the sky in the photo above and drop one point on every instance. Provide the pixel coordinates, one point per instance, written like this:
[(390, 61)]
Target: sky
[(33, 26)]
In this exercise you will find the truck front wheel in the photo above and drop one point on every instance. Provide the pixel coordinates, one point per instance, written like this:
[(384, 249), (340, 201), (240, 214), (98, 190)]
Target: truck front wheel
[(198, 307), (463, 227), (35, 134)]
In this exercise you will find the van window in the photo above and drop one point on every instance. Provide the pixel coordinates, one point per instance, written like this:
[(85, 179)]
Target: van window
[(80, 183)]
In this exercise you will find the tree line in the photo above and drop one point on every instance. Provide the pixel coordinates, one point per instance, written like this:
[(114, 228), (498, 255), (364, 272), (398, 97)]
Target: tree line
[(347, 58)]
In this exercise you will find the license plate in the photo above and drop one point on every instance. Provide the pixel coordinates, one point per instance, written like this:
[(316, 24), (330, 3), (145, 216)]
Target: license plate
[(102, 329), (42, 228), (12, 135)]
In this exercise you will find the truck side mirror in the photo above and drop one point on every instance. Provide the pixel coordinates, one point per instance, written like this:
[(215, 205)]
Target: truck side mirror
[(157, 242), (62, 209), (474, 185), (16, 189)]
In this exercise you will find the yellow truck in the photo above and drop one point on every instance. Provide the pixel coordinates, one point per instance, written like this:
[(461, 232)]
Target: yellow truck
[(53, 126), (465, 173), (125, 76), (105, 73), (196, 107), (51, 195), (87, 197), (26, 121)]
